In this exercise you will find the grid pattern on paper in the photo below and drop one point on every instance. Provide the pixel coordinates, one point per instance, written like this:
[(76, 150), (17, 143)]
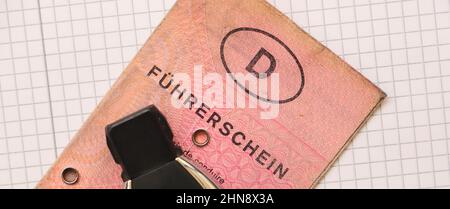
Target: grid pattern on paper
[(59, 57), (26, 135)]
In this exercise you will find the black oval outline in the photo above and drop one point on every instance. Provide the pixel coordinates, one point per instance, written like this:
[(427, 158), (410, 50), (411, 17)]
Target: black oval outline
[(222, 47)]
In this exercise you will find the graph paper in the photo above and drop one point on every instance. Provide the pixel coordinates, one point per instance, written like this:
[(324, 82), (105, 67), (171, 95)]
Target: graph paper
[(59, 57)]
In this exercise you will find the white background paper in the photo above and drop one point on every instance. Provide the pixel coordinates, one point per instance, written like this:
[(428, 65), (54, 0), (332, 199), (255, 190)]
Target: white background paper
[(58, 58)]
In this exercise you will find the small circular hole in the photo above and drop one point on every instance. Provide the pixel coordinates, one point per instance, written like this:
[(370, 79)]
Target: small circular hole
[(201, 137), (70, 176)]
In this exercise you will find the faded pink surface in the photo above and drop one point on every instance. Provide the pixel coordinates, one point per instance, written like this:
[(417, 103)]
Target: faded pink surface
[(307, 136)]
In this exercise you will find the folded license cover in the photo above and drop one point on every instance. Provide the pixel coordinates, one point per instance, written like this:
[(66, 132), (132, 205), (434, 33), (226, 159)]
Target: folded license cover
[(199, 69)]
